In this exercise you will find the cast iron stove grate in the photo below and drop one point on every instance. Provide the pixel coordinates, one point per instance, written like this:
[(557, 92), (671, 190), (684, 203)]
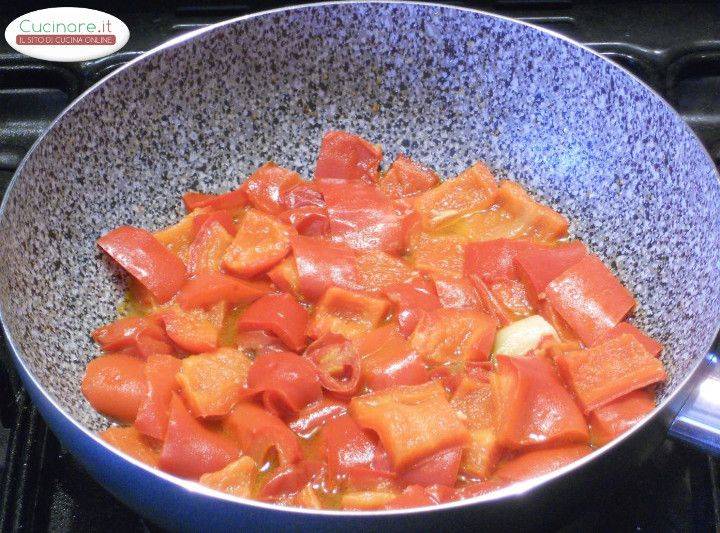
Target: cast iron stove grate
[(674, 48)]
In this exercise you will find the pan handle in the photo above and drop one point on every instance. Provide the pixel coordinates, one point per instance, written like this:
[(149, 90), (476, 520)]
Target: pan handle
[(698, 422)]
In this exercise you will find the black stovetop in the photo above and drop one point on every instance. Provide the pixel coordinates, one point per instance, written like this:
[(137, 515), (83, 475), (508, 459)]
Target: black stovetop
[(673, 47)]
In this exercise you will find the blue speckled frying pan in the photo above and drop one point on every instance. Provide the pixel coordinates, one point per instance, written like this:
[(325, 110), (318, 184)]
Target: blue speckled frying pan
[(444, 85)]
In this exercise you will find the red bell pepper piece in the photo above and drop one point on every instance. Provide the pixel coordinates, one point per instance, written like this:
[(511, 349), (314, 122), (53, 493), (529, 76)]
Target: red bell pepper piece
[(623, 328), (223, 217), (406, 178), (290, 479), (347, 313), (590, 298), (413, 496), (258, 342), (115, 385), (442, 254), (536, 221), (494, 260), (346, 446), (239, 478), (539, 462), (441, 468), (533, 406), (208, 288), (154, 411), (304, 194), (428, 425), (146, 259), (258, 432), (456, 293), (129, 332), (412, 300), (261, 242), (212, 383), (287, 382), (267, 186), (362, 217), (285, 276), (316, 415), (337, 363), (388, 360), (446, 335), (321, 265), (347, 157), (130, 441), (279, 314), (191, 330), (473, 398), (207, 249), (229, 200), (609, 370), (472, 190), (308, 220), (377, 270), (538, 265), (615, 418), (190, 449)]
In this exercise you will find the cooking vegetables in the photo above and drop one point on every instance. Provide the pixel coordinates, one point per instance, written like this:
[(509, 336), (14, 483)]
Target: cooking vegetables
[(367, 340)]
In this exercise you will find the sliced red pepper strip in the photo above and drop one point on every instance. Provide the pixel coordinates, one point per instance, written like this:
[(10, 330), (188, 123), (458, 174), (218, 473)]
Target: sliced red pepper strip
[(208, 288), (533, 406), (615, 418), (190, 449), (347, 157), (539, 462), (609, 370), (229, 200), (154, 411), (115, 385), (650, 344), (290, 479), (321, 265), (590, 298), (279, 314), (261, 242), (407, 178), (337, 363), (146, 259), (412, 300), (316, 415), (258, 432), (267, 186), (287, 381)]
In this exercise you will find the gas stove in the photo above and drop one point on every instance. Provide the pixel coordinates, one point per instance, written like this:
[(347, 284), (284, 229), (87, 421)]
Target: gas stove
[(673, 48)]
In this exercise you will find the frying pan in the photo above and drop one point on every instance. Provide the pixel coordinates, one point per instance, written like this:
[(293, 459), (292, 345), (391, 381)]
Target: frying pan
[(445, 85)]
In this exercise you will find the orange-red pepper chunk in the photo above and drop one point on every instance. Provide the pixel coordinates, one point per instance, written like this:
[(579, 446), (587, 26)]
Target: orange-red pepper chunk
[(539, 462), (533, 407), (446, 335), (615, 418), (347, 156), (347, 313), (261, 242), (407, 178), (412, 421), (212, 382), (146, 259), (590, 298), (471, 190), (609, 370)]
